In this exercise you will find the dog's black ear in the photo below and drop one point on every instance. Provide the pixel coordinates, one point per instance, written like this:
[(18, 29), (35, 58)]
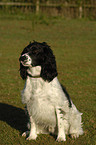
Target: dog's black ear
[(23, 71), (49, 69)]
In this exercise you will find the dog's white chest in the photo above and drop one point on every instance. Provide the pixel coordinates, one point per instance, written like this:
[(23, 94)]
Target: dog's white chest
[(39, 103), (42, 98)]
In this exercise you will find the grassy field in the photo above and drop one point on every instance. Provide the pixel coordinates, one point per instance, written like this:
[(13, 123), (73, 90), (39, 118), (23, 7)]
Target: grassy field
[(74, 45)]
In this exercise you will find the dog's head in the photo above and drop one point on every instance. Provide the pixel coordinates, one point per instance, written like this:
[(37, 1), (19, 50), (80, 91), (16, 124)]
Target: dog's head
[(38, 54)]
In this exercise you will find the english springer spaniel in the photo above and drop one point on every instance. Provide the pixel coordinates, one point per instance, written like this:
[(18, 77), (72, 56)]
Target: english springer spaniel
[(49, 106)]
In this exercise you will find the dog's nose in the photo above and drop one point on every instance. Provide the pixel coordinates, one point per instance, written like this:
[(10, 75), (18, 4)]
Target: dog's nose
[(22, 58)]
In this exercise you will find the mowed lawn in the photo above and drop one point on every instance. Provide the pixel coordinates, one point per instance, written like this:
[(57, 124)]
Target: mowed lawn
[(74, 45)]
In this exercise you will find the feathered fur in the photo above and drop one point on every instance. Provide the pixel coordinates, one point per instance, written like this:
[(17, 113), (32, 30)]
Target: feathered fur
[(48, 104)]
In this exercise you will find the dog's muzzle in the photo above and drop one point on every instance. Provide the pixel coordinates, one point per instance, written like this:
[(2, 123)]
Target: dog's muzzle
[(25, 59)]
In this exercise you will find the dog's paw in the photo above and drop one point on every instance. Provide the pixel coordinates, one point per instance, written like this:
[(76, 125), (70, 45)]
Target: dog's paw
[(31, 137), (74, 135), (25, 133), (60, 139)]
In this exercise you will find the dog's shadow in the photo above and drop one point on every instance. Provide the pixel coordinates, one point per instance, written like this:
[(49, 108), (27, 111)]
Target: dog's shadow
[(13, 116)]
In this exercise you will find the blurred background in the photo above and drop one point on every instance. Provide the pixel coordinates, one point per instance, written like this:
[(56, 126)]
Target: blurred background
[(65, 8)]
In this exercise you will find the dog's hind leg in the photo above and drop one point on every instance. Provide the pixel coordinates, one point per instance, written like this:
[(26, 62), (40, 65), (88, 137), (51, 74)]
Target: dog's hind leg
[(75, 123), (33, 132)]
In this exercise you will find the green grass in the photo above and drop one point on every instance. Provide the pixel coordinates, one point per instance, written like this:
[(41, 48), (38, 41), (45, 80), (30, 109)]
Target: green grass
[(74, 45)]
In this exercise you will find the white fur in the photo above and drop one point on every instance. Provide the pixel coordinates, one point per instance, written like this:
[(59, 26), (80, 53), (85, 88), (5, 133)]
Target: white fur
[(44, 101)]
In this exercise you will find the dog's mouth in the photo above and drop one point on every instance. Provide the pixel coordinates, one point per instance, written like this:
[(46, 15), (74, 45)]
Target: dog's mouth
[(24, 63)]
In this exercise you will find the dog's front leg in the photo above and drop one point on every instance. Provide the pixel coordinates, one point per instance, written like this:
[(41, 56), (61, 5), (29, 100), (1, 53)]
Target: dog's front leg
[(60, 124), (33, 132)]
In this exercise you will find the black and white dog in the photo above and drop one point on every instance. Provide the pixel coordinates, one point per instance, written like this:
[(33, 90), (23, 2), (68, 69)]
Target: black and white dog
[(48, 104)]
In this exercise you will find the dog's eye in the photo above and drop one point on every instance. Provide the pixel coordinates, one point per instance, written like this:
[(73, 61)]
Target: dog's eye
[(34, 52)]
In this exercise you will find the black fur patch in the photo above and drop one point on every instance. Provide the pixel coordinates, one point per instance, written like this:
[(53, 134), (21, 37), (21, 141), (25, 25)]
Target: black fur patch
[(23, 71)]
